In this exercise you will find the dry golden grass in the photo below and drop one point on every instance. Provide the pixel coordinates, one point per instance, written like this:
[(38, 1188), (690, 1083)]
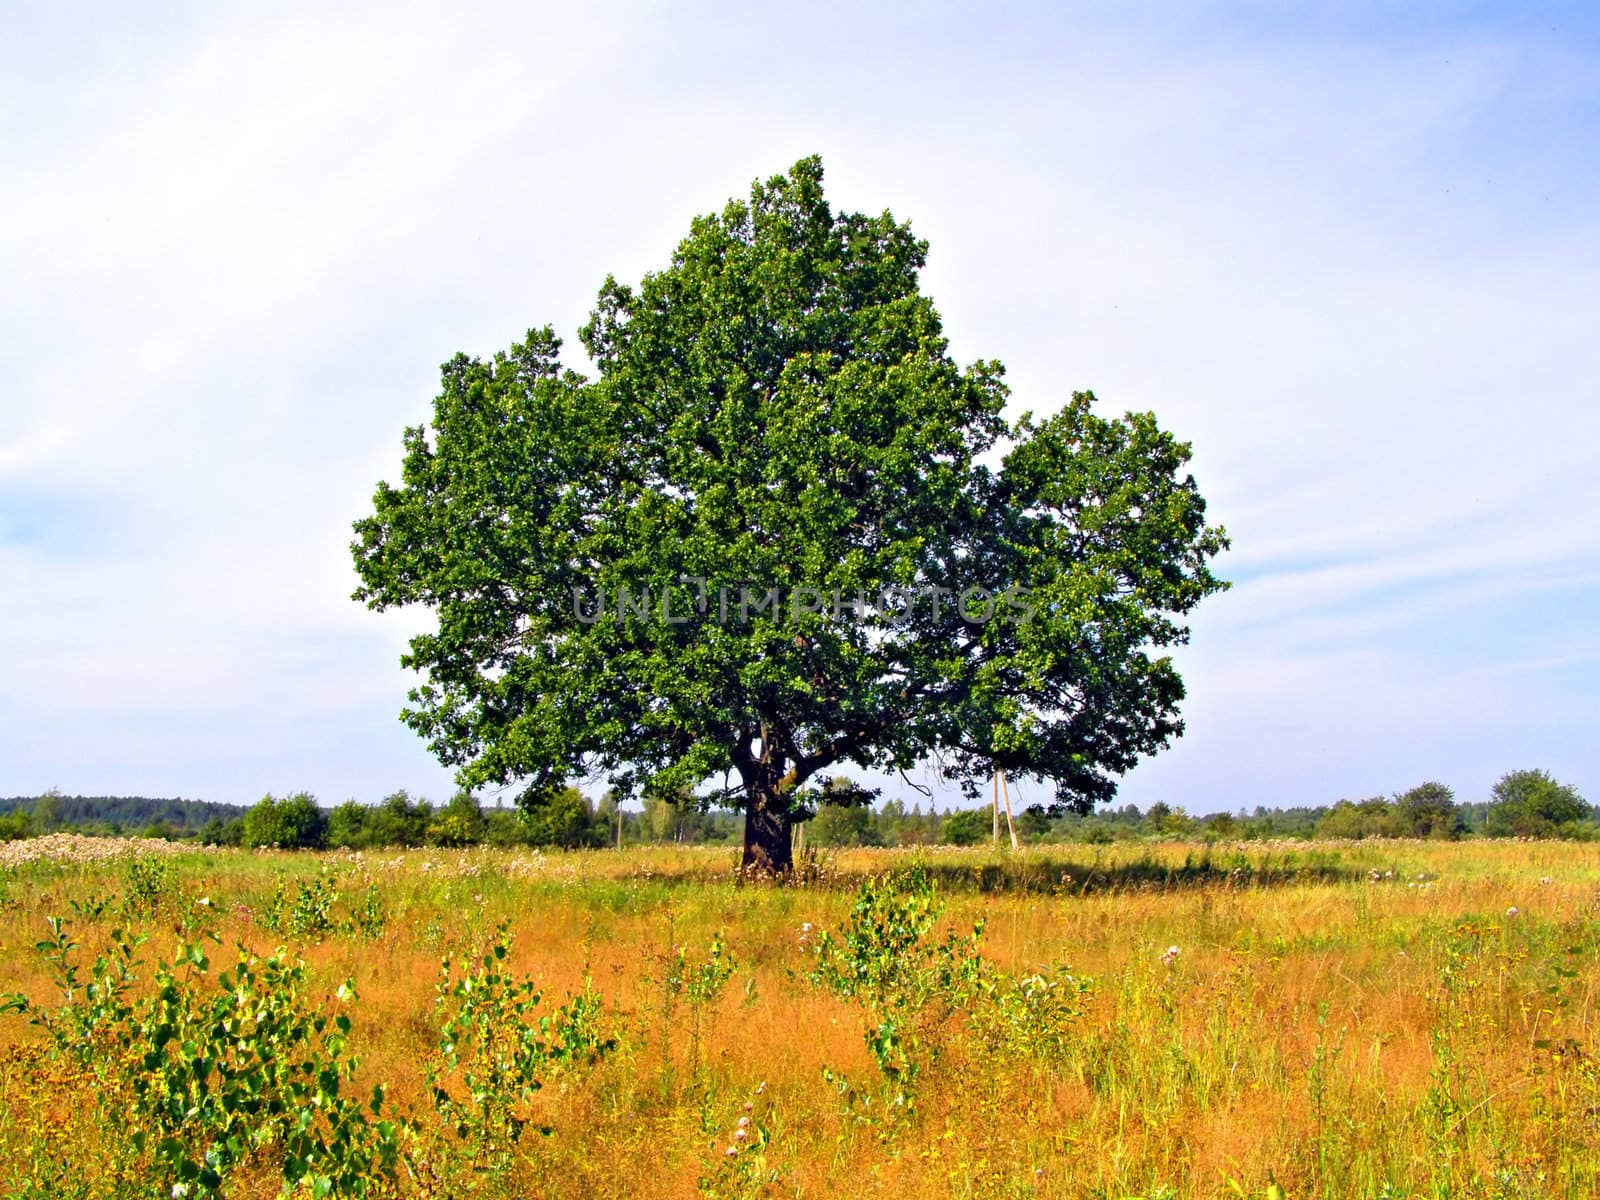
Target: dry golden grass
[(1359, 1020)]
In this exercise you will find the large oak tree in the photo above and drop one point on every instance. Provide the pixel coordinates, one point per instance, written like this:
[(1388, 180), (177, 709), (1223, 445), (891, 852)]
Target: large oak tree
[(779, 530)]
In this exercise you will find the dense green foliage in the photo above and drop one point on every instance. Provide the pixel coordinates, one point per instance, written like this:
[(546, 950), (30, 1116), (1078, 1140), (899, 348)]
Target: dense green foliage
[(292, 823), (767, 540), (1532, 804), (967, 828), (1427, 810)]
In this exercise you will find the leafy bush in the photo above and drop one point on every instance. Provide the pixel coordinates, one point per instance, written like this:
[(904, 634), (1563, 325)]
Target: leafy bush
[(398, 821), (910, 985), (564, 819), (835, 825), (308, 912), (293, 823), (147, 883), (495, 1049), (906, 983), (14, 826), (968, 827), (1374, 818), (209, 1079), (459, 823)]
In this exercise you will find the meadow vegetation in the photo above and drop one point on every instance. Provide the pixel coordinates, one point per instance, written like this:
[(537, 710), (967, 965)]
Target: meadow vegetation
[(1373, 1019)]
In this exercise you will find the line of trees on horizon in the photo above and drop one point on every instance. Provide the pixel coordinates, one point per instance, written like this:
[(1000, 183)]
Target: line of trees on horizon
[(1526, 804)]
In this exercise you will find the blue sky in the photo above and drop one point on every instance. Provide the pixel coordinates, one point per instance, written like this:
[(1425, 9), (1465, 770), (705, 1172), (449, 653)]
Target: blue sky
[(1352, 254)]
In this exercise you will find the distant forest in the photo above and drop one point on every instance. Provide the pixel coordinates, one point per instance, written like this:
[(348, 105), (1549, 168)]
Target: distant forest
[(1522, 804), (122, 813)]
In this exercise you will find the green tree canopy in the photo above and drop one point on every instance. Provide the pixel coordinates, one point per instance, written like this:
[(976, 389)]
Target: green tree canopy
[(1428, 811), (347, 826), (967, 827), (779, 531), (565, 819), (1532, 804), (399, 821), (292, 823), (844, 815), (1374, 818)]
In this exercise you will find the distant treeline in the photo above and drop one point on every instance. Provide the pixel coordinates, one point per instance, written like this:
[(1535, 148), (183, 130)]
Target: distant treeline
[(1522, 804), (114, 814)]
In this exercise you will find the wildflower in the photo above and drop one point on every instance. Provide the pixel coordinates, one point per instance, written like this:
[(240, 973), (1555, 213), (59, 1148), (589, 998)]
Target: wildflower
[(744, 1122), (732, 1151), (1171, 955), (204, 902), (739, 1135), (1512, 911)]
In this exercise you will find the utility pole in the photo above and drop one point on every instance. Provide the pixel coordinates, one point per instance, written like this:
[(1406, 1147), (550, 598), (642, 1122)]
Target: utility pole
[(1011, 826), (1000, 789)]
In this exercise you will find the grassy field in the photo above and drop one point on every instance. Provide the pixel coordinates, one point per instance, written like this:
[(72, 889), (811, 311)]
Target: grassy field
[(1401, 1019)]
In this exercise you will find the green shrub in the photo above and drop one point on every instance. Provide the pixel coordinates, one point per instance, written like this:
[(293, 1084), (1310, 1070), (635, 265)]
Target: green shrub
[(293, 823), (207, 1079), (968, 827), (494, 1051), (907, 983), (148, 883)]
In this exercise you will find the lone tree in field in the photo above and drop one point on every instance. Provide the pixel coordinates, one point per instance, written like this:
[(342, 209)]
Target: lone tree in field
[(780, 531)]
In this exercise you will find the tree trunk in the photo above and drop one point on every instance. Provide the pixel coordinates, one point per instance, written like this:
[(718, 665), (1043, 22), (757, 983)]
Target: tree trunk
[(767, 849)]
